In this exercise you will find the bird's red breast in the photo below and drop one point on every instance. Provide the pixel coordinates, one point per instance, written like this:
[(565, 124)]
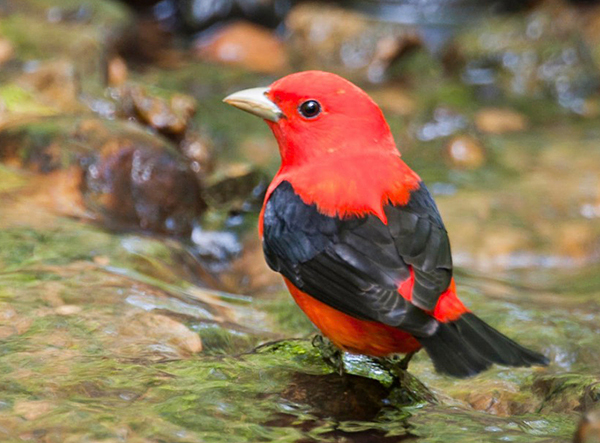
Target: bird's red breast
[(351, 334)]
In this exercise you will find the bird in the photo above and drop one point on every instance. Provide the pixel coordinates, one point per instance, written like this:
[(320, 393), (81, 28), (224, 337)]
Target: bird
[(356, 234)]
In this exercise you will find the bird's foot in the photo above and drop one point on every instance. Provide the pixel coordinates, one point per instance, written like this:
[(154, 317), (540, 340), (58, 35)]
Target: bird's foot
[(331, 354), (395, 366), (407, 388), (403, 364)]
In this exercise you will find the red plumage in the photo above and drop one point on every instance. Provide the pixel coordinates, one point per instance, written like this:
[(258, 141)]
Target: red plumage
[(356, 234)]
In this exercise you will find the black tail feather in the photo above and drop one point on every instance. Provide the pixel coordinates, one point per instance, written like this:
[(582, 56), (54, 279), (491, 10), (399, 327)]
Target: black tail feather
[(467, 346)]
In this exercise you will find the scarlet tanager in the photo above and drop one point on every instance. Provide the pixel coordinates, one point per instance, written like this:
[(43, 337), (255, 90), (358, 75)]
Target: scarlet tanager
[(356, 234)]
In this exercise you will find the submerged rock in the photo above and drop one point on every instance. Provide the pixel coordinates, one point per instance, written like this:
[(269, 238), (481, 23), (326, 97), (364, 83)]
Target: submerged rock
[(148, 333), (198, 148)]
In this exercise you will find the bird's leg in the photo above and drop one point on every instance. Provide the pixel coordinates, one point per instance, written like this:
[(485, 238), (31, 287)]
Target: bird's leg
[(406, 388), (403, 364), (331, 354), (395, 367)]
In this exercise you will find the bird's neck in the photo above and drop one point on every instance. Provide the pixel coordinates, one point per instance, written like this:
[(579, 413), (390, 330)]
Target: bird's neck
[(351, 184)]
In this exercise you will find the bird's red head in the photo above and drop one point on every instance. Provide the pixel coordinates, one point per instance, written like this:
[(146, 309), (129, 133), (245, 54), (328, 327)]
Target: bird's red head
[(324, 114), (317, 114)]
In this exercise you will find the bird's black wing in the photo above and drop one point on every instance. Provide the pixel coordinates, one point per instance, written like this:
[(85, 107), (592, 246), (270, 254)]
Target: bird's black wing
[(355, 264)]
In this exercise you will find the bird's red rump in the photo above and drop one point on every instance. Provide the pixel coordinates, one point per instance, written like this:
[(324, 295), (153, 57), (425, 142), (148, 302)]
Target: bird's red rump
[(448, 307)]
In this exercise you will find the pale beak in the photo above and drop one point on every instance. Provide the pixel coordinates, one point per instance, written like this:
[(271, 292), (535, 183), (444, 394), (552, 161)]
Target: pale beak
[(255, 101)]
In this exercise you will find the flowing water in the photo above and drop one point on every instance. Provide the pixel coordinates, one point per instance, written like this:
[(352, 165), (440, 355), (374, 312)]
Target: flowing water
[(122, 322)]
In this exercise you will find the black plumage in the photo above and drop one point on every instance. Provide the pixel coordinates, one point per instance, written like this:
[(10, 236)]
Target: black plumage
[(355, 265)]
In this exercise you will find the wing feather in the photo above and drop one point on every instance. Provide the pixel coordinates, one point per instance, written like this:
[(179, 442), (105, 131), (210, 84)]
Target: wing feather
[(356, 264)]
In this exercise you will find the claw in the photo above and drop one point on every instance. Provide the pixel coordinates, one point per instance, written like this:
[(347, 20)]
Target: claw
[(332, 356)]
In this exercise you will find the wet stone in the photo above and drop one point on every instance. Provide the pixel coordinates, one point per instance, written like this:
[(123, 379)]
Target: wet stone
[(117, 71), (233, 185), (199, 149), (124, 176), (347, 397), (243, 44), (499, 398), (156, 336), (169, 115), (56, 84), (347, 42), (198, 16)]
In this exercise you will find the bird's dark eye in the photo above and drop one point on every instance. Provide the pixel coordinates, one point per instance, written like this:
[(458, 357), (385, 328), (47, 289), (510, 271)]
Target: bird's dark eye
[(310, 109)]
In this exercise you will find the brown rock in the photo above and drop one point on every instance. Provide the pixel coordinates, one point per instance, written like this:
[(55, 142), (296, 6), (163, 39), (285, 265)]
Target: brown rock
[(499, 398), (588, 430), (346, 398), (113, 172), (145, 187), (149, 329), (199, 149), (56, 83), (232, 185), (169, 116), (117, 71), (244, 44), (465, 152), (500, 120), (7, 51)]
